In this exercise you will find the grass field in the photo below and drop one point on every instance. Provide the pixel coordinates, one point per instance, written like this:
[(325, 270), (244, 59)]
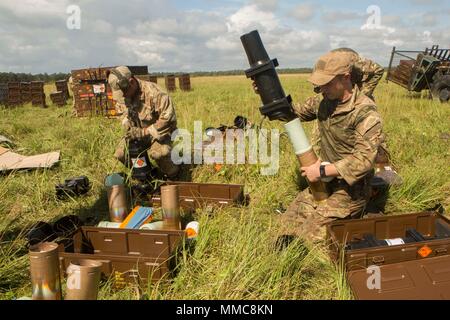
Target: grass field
[(234, 256)]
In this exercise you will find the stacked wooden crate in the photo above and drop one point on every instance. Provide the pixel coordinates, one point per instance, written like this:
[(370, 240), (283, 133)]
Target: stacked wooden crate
[(3, 93), (402, 73), (91, 92), (170, 83), (25, 92), (37, 93), (185, 81), (153, 79), (58, 98), (61, 85), (14, 94)]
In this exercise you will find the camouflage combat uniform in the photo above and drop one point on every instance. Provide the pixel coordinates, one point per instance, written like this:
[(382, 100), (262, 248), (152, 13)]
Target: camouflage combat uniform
[(366, 74), (153, 107), (350, 135)]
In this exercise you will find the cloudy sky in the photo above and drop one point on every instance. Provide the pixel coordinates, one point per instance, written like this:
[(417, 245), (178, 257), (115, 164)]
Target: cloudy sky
[(203, 35)]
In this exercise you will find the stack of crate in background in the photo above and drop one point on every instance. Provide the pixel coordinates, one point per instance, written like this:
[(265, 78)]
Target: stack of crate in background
[(153, 79), (170, 83), (25, 92), (37, 93), (58, 98), (14, 94), (3, 93), (92, 94), (185, 81), (61, 85)]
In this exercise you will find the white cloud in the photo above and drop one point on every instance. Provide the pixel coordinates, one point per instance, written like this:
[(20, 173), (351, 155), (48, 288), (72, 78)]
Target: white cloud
[(303, 12), (251, 17), (156, 33), (268, 5)]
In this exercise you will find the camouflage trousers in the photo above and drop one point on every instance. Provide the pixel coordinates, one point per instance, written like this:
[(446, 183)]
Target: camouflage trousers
[(160, 152), (307, 218)]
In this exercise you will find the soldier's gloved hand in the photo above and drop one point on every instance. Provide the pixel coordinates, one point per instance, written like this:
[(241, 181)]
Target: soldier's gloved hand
[(136, 133), (153, 132)]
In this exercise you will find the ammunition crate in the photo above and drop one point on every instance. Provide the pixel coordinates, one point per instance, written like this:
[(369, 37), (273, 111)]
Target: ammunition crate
[(170, 83), (61, 85), (3, 93), (429, 224), (58, 98), (414, 270), (92, 94), (195, 195), (185, 82), (153, 79), (130, 255)]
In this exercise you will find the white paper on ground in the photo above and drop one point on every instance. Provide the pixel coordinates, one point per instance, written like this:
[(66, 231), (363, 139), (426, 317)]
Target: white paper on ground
[(13, 161)]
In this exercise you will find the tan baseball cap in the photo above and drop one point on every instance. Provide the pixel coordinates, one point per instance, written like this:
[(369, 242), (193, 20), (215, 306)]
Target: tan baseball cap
[(116, 76), (329, 66)]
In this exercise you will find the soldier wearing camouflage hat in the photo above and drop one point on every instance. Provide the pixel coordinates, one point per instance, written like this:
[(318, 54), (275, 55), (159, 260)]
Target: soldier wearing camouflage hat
[(366, 74), (350, 133), (153, 116)]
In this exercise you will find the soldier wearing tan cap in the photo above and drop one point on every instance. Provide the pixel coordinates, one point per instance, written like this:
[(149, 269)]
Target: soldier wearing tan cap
[(152, 116), (350, 133)]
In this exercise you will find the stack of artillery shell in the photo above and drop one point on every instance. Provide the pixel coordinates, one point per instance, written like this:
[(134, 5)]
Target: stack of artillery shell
[(25, 92), (37, 93), (3, 93), (58, 98), (170, 83), (185, 82), (14, 94), (61, 85)]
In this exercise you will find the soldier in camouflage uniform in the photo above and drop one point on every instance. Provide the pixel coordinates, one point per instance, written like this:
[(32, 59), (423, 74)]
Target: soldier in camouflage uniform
[(154, 116), (350, 131), (366, 74)]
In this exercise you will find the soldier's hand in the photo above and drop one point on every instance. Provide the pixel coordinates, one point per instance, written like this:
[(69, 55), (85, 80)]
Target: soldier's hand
[(312, 172), (135, 133), (154, 132), (255, 87)]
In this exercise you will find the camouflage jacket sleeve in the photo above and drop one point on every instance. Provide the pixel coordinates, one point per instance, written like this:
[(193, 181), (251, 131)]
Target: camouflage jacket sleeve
[(166, 111), (308, 110), (368, 136), (372, 74)]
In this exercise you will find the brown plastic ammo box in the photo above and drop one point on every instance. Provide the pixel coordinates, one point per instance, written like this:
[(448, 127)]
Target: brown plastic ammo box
[(194, 195), (130, 255), (417, 270)]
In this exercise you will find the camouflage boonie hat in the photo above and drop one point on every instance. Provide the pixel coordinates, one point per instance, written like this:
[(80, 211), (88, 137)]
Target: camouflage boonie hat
[(116, 76), (329, 66)]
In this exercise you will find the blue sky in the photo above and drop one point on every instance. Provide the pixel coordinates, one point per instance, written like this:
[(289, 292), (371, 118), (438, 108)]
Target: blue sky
[(204, 34)]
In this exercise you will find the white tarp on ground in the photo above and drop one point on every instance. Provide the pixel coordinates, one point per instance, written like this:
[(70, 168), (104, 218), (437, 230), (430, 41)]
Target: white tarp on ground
[(13, 161)]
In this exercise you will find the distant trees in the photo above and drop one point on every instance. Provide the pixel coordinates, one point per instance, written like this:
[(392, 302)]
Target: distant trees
[(27, 77)]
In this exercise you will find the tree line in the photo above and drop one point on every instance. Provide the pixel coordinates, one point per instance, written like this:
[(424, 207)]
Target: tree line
[(27, 77)]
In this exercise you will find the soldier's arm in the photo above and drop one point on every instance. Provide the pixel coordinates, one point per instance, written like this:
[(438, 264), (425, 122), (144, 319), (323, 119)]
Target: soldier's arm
[(308, 110), (166, 111), (368, 136), (373, 74)]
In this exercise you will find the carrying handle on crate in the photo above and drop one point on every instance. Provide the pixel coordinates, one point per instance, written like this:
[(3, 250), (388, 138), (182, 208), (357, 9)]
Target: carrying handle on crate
[(378, 260)]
